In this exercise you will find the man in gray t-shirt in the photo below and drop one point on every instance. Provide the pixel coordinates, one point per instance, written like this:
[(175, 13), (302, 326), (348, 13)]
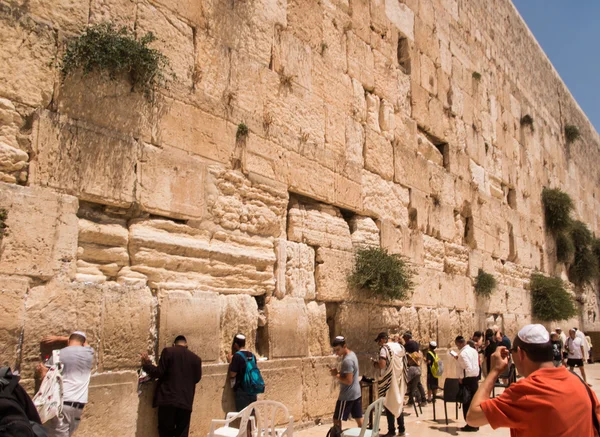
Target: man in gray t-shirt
[(77, 360), (350, 400)]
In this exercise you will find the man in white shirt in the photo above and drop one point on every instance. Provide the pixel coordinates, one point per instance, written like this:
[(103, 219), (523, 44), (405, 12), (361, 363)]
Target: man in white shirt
[(563, 339), (575, 351), (77, 360), (468, 375)]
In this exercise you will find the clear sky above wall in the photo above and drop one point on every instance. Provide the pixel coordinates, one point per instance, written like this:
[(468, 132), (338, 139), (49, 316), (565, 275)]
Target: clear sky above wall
[(569, 33)]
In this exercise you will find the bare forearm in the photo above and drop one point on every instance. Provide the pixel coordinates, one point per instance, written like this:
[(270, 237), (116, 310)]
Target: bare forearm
[(476, 416)]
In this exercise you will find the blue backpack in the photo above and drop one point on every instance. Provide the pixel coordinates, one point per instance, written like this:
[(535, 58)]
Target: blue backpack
[(253, 382)]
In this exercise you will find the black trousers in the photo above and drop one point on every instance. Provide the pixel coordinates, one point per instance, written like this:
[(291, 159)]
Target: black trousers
[(243, 399), (173, 421), (390, 421), (470, 385)]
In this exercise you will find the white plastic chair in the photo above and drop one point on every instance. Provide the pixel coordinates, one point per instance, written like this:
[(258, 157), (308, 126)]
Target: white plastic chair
[(377, 409), (262, 424)]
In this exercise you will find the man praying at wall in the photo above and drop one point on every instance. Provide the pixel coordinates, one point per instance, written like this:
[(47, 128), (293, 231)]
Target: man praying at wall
[(178, 372)]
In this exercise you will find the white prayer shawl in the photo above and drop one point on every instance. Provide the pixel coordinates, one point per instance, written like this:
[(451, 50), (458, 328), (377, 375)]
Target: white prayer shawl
[(584, 343), (393, 383)]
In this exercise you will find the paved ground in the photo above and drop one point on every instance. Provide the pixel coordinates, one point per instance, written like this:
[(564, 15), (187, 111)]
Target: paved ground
[(425, 426)]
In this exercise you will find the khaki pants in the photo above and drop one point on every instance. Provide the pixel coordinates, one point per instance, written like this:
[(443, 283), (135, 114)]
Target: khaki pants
[(65, 425)]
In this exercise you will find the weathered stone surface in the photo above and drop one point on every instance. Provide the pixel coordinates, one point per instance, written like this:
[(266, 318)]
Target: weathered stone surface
[(379, 155), (170, 183), (13, 163), (26, 46), (179, 257), (365, 232), (91, 164), (331, 274), (318, 342), (319, 386), (12, 306), (239, 314), (288, 328), (384, 199), (317, 224), (111, 395), (196, 315), (298, 264), (41, 238)]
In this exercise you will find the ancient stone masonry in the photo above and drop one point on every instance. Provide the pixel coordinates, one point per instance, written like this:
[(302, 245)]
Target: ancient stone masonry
[(371, 123)]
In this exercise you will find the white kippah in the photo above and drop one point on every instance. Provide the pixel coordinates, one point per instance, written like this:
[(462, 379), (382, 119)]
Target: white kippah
[(80, 333), (240, 337), (432, 344), (534, 334), (340, 337)]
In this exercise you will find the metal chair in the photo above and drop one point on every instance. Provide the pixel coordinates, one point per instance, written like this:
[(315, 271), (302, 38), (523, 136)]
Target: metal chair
[(509, 374), (451, 387)]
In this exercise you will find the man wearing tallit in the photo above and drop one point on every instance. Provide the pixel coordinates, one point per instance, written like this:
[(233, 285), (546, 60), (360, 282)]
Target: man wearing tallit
[(392, 381)]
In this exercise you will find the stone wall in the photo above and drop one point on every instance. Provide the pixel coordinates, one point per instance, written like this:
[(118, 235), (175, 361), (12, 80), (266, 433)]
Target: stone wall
[(137, 221)]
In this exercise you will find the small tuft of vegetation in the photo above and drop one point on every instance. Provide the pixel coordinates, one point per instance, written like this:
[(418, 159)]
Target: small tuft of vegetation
[(564, 247), (286, 80), (550, 302), (324, 48), (476, 75), (242, 131), (115, 51), (3, 226), (581, 235), (485, 284), (436, 200), (596, 249), (557, 209), (385, 275), (571, 133), (527, 120)]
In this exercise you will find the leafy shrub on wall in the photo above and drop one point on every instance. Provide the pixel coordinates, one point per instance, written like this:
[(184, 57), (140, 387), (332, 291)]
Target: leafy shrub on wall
[(115, 51), (385, 275), (564, 247), (557, 209), (485, 283), (550, 301)]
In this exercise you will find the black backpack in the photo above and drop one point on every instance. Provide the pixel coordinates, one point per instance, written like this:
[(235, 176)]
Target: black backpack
[(13, 419)]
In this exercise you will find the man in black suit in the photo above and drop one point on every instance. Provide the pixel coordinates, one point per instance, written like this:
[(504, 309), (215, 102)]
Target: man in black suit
[(178, 372)]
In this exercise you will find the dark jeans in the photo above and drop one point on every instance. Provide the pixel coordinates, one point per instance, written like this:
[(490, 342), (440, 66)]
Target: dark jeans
[(470, 385), (243, 399), (415, 388), (173, 422), (390, 421)]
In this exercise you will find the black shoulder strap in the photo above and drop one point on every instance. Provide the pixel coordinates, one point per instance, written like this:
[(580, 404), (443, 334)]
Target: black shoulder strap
[(594, 417)]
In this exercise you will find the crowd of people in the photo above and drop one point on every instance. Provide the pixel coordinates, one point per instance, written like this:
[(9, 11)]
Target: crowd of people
[(544, 361)]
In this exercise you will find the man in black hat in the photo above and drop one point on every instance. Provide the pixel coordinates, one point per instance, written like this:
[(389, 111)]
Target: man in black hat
[(178, 372)]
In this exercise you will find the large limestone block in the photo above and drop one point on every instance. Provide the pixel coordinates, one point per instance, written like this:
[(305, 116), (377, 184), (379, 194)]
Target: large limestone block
[(113, 406), (319, 387), (409, 168), (42, 231), (171, 183), (196, 315), (59, 309), (91, 164), (239, 314), (361, 63), (120, 12), (317, 224), (457, 292), (427, 291), (12, 306), (292, 56), (379, 155), (191, 129), (365, 232), (456, 259), (352, 321), (402, 17), (298, 263), (26, 47), (128, 319), (287, 327), (179, 257), (331, 274), (318, 342), (434, 253), (385, 199), (13, 163)]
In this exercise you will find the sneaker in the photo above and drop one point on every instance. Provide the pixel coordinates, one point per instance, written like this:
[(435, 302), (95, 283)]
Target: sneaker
[(468, 428), (401, 434)]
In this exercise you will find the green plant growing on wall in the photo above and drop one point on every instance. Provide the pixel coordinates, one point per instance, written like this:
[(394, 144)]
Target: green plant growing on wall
[(557, 209), (581, 235), (550, 302), (115, 51), (485, 283), (564, 247), (527, 120), (385, 275), (476, 75), (571, 133), (242, 131), (596, 249), (585, 264), (3, 226)]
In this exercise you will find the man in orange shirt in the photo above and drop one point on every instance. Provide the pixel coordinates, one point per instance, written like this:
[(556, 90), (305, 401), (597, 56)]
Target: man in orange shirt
[(535, 406)]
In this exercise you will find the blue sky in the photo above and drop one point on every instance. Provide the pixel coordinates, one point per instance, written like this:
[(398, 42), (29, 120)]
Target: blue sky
[(569, 33)]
